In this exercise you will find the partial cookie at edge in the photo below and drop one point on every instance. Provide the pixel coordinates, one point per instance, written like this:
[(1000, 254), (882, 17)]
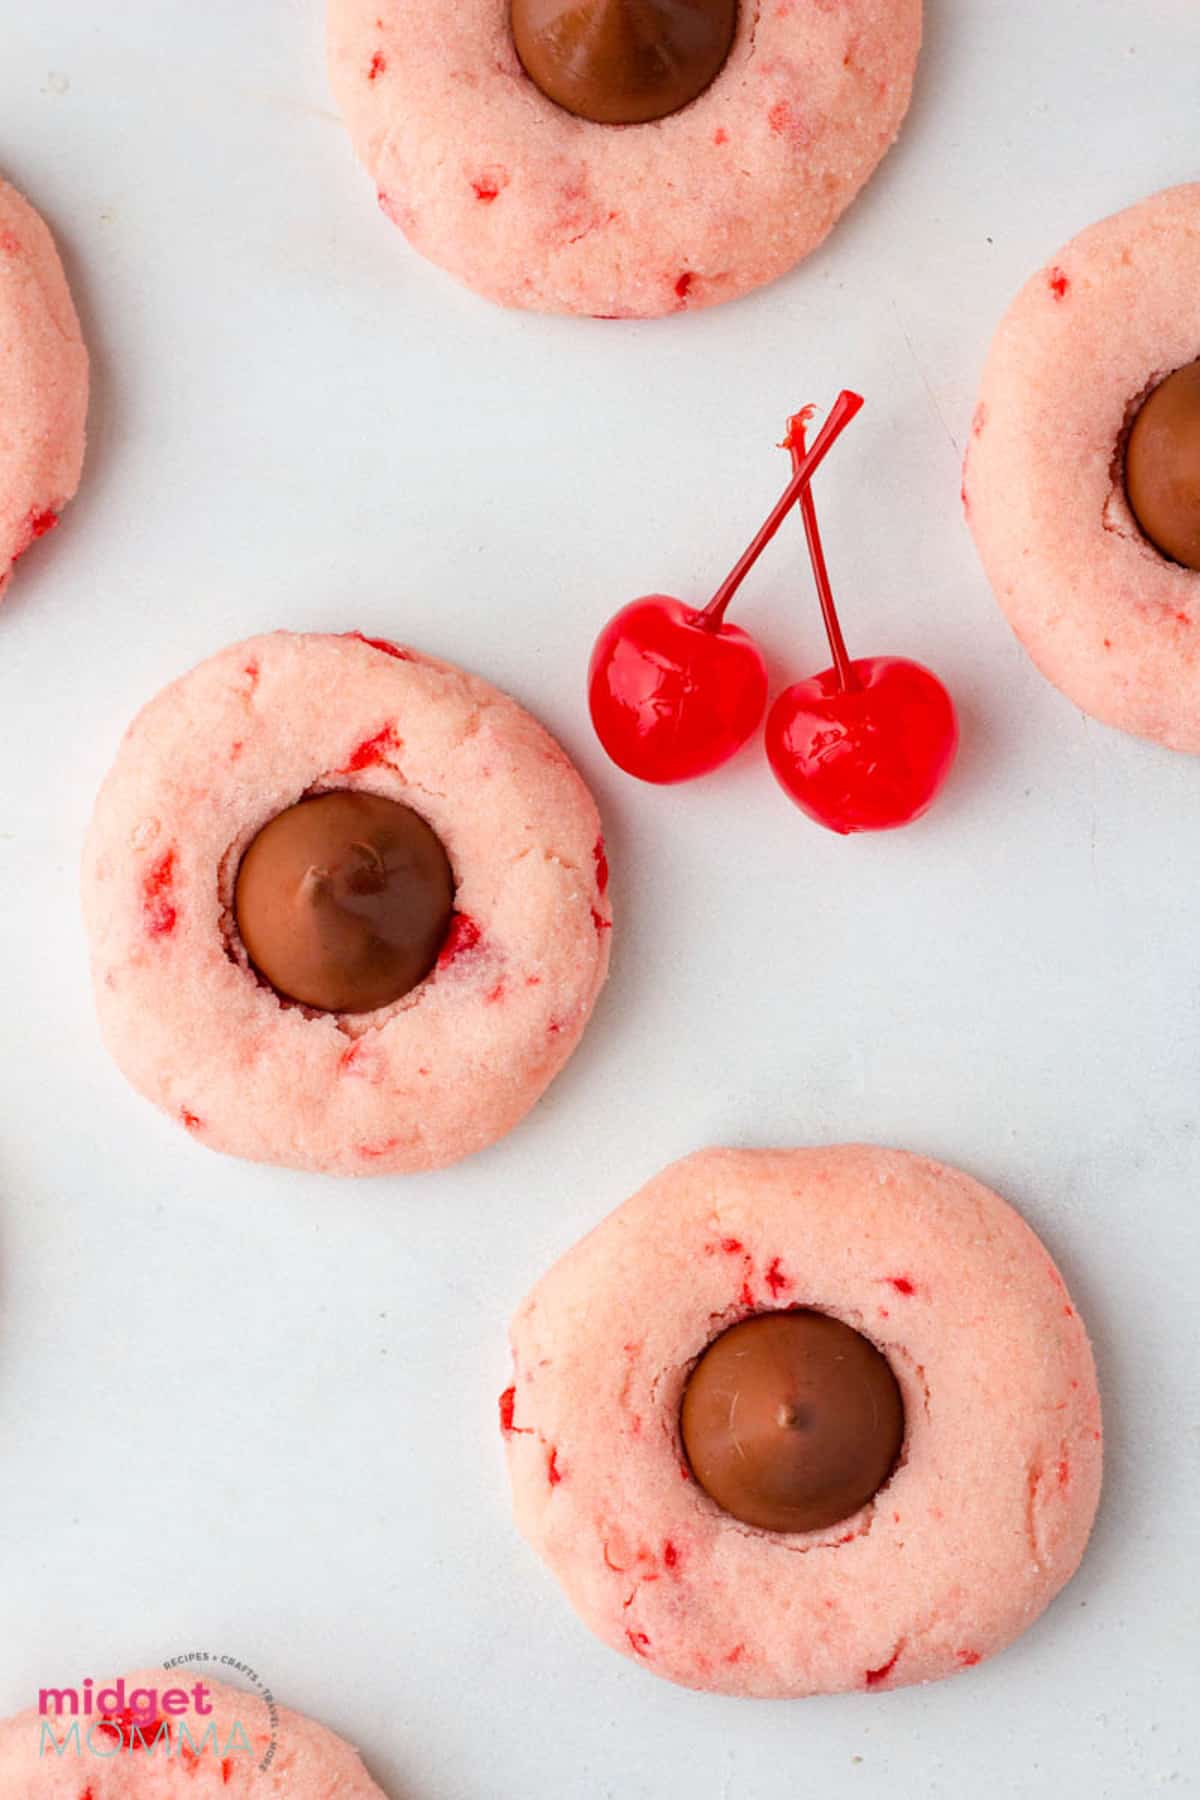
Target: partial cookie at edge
[(43, 383), (193, 1754), (1105, 617), (536, 208)]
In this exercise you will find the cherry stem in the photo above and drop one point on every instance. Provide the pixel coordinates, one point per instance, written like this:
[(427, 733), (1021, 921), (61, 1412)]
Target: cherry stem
[(837, 419), (847, 680)]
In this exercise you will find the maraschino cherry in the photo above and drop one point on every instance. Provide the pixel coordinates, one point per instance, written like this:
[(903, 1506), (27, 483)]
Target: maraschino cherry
[(674, 691), (865, 745)]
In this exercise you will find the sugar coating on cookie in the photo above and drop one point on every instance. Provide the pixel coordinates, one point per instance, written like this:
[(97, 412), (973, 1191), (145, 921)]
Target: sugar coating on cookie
[(216, 1743), (461, 1058), (1108, 619), (534, 207), (987, 1513), (43, 383)]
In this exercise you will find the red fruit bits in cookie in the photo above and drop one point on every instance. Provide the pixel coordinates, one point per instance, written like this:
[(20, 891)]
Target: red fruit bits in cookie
[(876, 1676), (775, 1278), (320, 948), (372, 750), (838, 1490), (463, 937), (158, 887), (43, 382), (611, 118)]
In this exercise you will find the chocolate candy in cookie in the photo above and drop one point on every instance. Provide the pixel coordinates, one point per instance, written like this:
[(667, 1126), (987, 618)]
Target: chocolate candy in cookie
[(792, 1421), (1162, 466), (872, 1367), (620, 158), (344, 900), (623, 62), (1081, 482), (215, 894)]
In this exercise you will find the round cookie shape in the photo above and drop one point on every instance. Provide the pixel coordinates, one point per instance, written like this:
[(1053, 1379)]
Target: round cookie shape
[(43, 383), (456, 1062), (986, 1513), (535, 207), (133, 1747), (1106, 616)]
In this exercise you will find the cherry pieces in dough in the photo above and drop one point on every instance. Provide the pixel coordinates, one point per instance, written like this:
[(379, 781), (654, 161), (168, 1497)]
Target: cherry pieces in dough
[(43, 383), (412, 1083), (984, 1516), (535, 207), (1104, 613), (214, 1745)]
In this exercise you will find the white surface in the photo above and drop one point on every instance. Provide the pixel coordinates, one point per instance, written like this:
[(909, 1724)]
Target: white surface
[(257, 1410)]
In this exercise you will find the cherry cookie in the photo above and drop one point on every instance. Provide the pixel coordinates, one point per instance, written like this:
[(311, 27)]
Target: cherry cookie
[(623, 158), (167, 1732), (1082, 478), (347, 906), (796, 1422), (43, 383)]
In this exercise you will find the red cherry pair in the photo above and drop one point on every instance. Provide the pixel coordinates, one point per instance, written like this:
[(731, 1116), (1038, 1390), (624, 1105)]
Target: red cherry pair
[(675, 691)]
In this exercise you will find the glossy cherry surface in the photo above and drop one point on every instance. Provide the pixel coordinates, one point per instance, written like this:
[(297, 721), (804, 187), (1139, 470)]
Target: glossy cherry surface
[(866, 757), (674, 691), (865, 745), (672, 697)]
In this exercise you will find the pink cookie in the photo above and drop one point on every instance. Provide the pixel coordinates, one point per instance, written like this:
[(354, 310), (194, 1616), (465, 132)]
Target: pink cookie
[(987, 1512), (43, 382), (1105, 617), (216, 1743), (461, 1058), (537, 208)]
